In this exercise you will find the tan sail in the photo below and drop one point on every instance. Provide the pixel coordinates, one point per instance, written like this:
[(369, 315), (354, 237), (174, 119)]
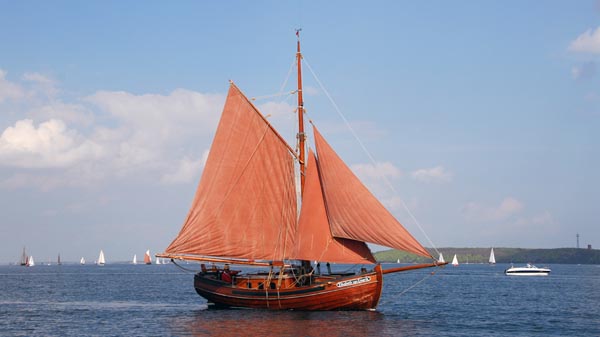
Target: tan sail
[(314, 241), (355, 213), (245, 204)]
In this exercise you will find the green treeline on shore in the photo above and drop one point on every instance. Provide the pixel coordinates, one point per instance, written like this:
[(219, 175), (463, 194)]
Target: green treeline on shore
[(503, 255)]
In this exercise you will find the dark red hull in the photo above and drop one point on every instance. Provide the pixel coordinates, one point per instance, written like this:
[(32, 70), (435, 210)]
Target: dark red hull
[(355, 292)]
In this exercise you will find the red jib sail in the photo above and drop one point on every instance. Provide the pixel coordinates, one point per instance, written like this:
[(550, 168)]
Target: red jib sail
[(354, 213), (314, 240)]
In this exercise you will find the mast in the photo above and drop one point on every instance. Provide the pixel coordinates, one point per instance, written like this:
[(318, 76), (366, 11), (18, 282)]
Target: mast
[(301, 135)]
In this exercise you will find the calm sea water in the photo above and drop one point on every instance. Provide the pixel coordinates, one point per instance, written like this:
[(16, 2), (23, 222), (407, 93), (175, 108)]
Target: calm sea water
[(134, 300)]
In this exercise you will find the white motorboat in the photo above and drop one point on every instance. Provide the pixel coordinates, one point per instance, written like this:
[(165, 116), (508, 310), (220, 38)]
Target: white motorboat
[(529, 270)]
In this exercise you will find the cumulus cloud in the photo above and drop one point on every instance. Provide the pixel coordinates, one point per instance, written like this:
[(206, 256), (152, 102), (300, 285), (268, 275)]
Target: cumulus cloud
[(172, 111), (432, 175), (283, 117), (71, 114), (106, 135), (9, 90), (277, 109), (378, 170), (51, 144), (83, 141), (478, 212), (397, 204), (152, 129), (187, 169), (43, 84), (376, 177), (588, 42)]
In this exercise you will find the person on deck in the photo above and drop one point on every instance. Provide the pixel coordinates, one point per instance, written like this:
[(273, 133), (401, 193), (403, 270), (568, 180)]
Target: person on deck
[(226, 276)]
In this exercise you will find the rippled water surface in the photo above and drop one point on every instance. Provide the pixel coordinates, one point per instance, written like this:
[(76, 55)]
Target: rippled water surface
[(469, 300)]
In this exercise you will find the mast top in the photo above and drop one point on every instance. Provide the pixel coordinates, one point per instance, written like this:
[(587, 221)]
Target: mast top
[(301, 136)]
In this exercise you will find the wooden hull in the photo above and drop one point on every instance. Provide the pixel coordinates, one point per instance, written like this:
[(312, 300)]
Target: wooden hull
[(355, 292)]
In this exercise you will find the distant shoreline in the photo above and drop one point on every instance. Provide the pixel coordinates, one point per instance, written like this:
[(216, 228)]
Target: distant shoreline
[(503, 255)]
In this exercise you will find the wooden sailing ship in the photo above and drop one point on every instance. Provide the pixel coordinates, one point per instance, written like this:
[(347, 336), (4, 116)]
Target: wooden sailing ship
[(245, 213)]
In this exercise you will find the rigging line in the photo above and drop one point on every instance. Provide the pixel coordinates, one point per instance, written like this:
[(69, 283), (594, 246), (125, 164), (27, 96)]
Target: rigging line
[(182, 268), (415, 284), (289, 74), (388, 183), (273, 95), (280, 92)]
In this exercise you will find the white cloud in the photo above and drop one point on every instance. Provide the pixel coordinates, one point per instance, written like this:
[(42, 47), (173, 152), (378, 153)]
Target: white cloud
[(151, 129), (277, 109), (43, 84), (84, 141), (588, 42), (377, 177), (397, 204), (477, 212), (114, 135), (9, 90), (186, 171), (164, 116), (39, 78), (51, 144), (69, 113), (377, 171), (432, 175)]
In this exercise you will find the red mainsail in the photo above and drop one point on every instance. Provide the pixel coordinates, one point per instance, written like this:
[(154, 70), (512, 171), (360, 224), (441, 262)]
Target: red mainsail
[(245, 204)]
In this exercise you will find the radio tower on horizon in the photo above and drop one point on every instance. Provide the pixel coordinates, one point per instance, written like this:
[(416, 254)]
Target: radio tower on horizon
[(577, 240)]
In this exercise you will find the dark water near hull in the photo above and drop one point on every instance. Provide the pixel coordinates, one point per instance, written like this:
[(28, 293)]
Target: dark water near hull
[(469, 300)]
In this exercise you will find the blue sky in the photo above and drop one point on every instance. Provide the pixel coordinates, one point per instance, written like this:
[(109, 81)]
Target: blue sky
[(482, 115)]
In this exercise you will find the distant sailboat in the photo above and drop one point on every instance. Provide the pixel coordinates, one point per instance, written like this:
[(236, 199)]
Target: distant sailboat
[(59, 262), (441, 259), (455, 261), (492, 257), (101, 260), (147, 258), (398, 261), (24, 258), (82, 261), (30, 262), (134, 259), (157, 261)]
